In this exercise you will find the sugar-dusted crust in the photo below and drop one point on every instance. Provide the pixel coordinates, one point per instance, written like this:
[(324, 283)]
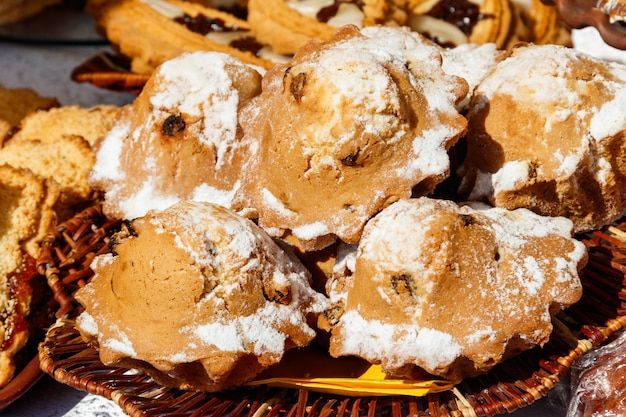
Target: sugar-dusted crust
[(184, 128), (562, 154), (199, 297), (346, 128), (453, 289)]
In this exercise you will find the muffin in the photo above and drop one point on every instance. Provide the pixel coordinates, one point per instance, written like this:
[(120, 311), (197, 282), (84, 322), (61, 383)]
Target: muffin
[(198, 297), (422, 267), (348, 127)]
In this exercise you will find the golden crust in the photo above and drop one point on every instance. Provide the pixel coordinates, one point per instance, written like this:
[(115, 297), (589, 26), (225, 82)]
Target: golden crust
[(67, 161), (50, 125), (16, 103), (286, 29), (150, 38)]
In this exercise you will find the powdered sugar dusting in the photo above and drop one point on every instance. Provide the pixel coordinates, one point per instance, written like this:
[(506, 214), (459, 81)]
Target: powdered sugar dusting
[(397, 343)]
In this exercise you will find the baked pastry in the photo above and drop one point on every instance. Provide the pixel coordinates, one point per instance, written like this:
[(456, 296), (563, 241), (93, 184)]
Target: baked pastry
[(151, 32), (26, 206), (544, 24), (287, 25), (422, 267), (615, 9), (198, 297), (349, 126), (66, 161), (563, 152), (485, 21), (180, 139), (16, 103), (91, 123)]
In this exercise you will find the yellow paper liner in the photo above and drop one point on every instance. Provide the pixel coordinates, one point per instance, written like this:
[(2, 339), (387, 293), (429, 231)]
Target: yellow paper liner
[(373, 382)]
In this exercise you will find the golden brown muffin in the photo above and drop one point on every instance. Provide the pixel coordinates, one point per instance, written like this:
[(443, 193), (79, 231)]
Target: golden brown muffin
[(180, 139), (424, 265), (551, 141), (346, 128), (198, 297)]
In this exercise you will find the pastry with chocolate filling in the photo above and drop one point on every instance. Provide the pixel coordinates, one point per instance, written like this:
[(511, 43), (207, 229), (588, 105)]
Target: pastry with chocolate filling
[(286, 25), (180, 139), (455, 22), (563, 153), (26, 202), (151, 32), (348, 127), (423, 266), (198, 297)]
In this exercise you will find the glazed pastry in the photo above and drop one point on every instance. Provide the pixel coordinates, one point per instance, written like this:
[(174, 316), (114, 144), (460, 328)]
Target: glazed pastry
[(422, 267), (151, 32), (286, 25), (180, 139), (346, 128), (562, 154), (453, 23), (198, 297)]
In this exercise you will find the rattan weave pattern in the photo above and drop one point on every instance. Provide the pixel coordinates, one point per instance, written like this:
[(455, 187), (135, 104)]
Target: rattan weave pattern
[(67, 252)]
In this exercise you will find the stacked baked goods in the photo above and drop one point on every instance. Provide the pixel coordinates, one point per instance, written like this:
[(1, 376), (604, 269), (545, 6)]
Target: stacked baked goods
[(45, 156), (232, 178), (264, 33)]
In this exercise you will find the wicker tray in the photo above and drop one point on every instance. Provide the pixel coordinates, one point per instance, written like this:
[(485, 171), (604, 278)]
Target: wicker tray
[(109, 71), (67, 252)]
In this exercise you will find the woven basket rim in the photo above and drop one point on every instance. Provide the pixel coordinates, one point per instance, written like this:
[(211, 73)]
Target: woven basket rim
[(111, 72), (67, 251)]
